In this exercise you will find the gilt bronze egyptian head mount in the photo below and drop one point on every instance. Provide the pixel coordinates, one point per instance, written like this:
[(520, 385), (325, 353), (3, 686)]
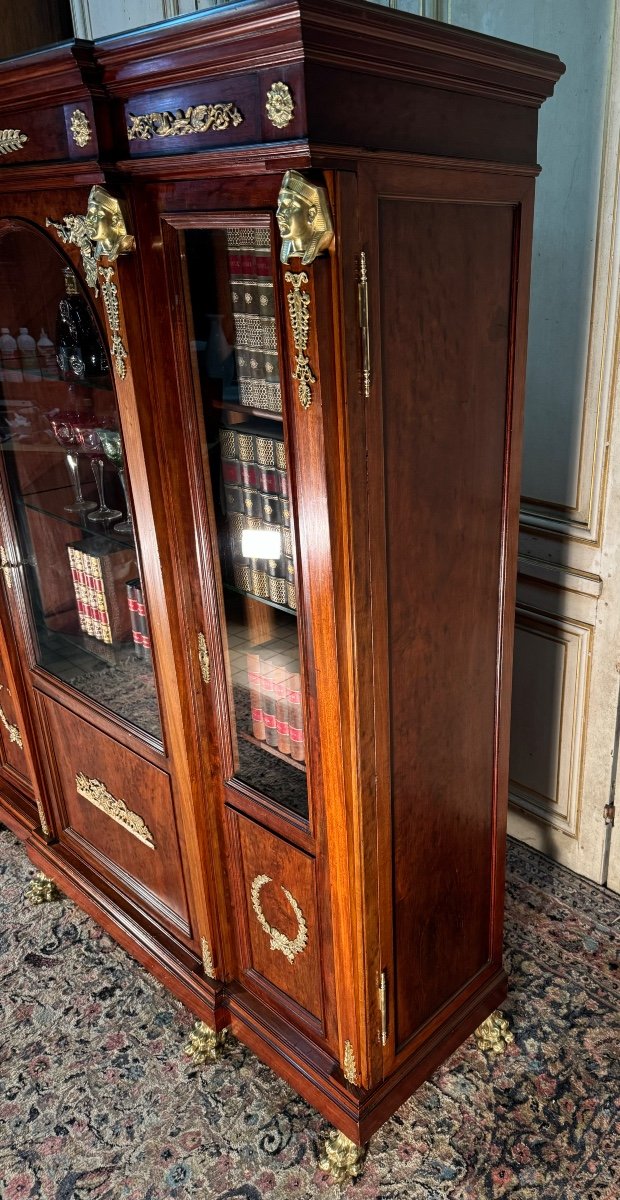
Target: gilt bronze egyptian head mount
[(304, 219)]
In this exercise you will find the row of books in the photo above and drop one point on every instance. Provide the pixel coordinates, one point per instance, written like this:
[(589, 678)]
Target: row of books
[(256, 577), (249, 445), (110, 605), (252, 300), (252, 503), (99, 578), (254, 475), (275, 700), (255, 497)]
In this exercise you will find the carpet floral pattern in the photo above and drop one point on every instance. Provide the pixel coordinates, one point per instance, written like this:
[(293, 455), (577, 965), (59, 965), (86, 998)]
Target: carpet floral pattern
[(98, 1101)]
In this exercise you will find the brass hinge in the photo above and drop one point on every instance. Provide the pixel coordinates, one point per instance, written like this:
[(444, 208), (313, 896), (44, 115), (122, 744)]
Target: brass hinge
[(203, 658), (383, 1006), (609, 814), (5, 567), (362, 295)]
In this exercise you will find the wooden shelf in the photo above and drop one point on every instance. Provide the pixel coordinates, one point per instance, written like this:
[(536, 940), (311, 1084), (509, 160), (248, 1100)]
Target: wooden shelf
[(230, 587), (248, 737), (260, 413), (51, 504), (59, 393)]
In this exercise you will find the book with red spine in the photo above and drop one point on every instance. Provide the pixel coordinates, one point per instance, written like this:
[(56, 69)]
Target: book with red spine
[(107, 568), (268, 702), (91, 597), (98, 598), (253, 310), (75, 560), (90, 623), (145, 635), (280, 679), (295, 718), (256, 700), (132, 604)]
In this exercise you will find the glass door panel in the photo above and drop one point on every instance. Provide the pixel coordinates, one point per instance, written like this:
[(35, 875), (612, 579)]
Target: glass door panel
[(236, 360), (63, 467)]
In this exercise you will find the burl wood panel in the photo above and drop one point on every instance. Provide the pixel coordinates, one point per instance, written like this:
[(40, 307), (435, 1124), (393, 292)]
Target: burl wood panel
[(155, 874), (261, 854), (445, 296)]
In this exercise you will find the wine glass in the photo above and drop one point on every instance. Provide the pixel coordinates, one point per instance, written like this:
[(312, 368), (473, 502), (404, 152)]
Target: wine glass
[(87, 431), (111, 441), (63, 424)]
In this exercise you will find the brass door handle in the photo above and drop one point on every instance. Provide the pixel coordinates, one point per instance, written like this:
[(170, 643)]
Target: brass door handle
[(364, 320)]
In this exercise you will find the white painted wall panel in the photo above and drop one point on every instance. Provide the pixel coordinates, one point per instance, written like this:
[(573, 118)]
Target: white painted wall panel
[(567, 199)]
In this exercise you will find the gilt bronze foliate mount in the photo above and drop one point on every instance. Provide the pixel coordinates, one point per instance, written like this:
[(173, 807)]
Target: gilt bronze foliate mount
[(305, 223), (101, 236)]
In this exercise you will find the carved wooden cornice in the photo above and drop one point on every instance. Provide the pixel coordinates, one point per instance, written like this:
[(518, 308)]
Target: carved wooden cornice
[(350, 34)]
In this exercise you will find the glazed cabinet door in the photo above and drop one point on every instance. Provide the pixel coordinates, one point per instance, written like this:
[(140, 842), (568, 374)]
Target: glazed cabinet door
[(254, 445), (16, 773), (72, 573)]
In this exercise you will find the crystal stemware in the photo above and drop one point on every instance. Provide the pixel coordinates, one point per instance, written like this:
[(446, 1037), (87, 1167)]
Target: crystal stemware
[(90, 444), (111, 441), (63, 425)]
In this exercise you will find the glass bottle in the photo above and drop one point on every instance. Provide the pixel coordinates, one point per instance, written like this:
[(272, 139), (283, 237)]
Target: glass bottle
[(79, 352), (46, 352), (28, 354), (9, 357)]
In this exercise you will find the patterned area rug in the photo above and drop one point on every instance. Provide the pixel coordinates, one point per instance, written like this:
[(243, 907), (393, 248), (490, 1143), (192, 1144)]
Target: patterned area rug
[(98, 1101)]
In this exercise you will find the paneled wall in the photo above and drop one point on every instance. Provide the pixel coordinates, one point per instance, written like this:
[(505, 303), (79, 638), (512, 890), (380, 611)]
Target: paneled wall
[(567, 652), (93, 18)]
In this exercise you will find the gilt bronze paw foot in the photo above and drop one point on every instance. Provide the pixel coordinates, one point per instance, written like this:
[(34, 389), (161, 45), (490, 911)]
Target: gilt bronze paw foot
[(204, 1043), (494, 1035), (342, 1158), (42, 890)]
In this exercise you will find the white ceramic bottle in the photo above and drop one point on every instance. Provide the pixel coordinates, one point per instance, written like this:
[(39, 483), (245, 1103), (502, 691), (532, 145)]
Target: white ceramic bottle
[(28, 354), (46, 352), (9, 357)]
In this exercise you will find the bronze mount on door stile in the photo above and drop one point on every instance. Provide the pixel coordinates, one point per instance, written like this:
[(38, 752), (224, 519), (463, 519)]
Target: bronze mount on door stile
[(306, 226), (100, 234)]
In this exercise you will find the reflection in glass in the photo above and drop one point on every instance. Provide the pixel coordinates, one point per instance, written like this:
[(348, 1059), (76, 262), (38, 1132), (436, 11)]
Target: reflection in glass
[(79, 352), (235, 348), (113, 448), (88, 436), (64, 433), (59, 466)]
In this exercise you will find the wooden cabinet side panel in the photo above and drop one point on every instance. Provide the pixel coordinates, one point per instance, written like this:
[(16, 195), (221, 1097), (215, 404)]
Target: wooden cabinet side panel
[(443, 469), (445, 289)]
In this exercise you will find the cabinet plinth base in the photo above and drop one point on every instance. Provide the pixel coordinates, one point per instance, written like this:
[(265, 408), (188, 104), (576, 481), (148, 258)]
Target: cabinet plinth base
[(204, 1044), (341, 1158), (494, 1035), (42, 890)]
